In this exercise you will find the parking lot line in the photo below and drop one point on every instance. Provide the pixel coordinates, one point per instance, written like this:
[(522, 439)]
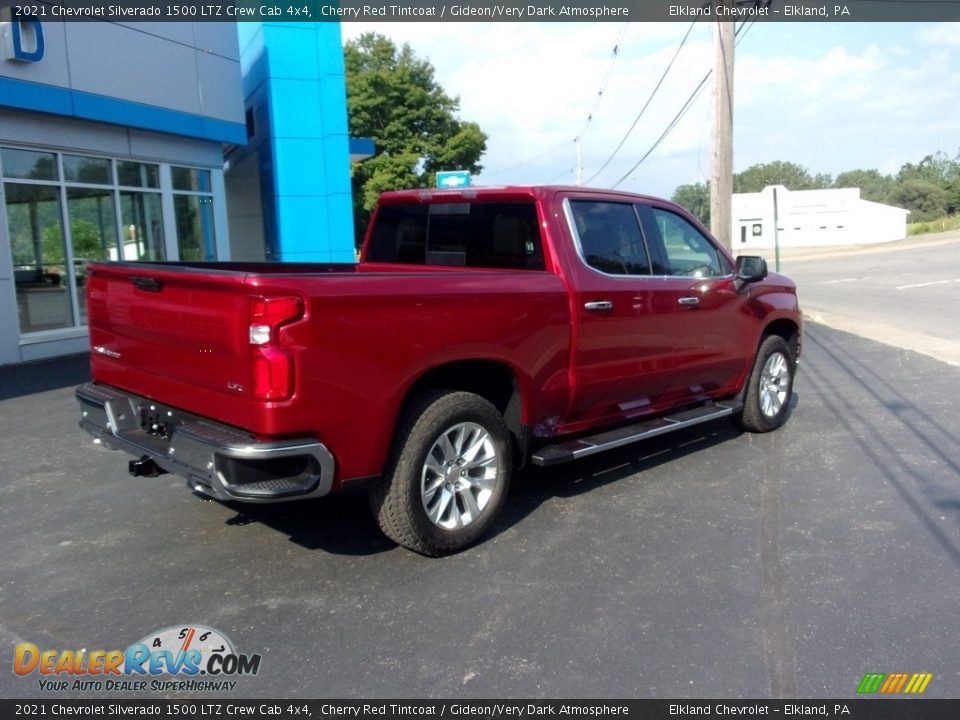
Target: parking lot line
[(842, 280), (927, 284)]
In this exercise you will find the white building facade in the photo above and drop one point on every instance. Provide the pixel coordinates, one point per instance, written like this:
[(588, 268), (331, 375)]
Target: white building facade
[(111, 148), (811, 218)]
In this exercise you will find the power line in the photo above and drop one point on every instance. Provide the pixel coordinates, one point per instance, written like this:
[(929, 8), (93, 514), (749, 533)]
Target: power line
[(596, 104), (557, 177), (645, 105), (740, 33), (673, 123), (533, 158), (606, 80)]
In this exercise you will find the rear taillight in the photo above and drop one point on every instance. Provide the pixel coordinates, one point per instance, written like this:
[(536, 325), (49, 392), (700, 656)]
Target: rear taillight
[(271, 364)]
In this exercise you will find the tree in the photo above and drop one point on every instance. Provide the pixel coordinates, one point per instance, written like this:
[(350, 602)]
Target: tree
[(936, 168), (873, 186), (953, 187), (696, 199), (87, 242), (393, 98), (930, 189), (953, 196), (925, 200), (794, 177)]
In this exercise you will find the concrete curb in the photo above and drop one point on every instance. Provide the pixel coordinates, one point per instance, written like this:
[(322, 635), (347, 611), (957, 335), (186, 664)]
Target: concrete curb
[(946, 351)]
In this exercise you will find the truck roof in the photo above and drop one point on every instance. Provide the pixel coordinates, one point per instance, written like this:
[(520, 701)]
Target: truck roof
[(505, 192)]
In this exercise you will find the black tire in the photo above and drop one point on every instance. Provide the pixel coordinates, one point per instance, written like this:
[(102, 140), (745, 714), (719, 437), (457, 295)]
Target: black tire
[(769, 387), (466, 492)]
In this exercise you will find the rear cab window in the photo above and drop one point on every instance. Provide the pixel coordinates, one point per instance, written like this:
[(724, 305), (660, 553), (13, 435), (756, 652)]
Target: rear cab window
[(502, 235), (609, 237)]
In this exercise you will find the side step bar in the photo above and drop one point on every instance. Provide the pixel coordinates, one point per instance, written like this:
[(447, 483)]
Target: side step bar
[(584, 446)]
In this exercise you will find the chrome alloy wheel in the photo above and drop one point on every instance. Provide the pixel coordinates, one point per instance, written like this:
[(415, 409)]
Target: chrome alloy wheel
[(774, 384), (459, 476)]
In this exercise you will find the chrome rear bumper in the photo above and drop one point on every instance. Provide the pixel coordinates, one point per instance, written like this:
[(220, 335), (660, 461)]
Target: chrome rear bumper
[(217, 460)]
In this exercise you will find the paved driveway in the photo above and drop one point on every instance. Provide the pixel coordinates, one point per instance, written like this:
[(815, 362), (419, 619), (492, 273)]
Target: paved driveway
[(711, 563), (901, 293)]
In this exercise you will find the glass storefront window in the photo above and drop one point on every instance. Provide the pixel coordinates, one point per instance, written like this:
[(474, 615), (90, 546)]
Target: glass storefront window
[(141, 220), (135, 174), (190, 179), (66, 210), (38, 250), (93, 231), (195, 238), (193, 209), (29, 164), (91, 170)]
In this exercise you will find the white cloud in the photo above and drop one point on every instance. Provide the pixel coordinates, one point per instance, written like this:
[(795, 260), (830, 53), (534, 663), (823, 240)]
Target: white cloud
[(831, 97), (846, 109), (942, 34), (531, 87)]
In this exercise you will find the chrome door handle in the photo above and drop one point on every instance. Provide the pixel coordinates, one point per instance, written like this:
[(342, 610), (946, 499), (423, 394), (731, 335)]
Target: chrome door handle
[(599, 306), (689, 301)]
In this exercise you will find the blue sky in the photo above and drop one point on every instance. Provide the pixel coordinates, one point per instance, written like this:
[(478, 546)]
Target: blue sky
[(828, 96)]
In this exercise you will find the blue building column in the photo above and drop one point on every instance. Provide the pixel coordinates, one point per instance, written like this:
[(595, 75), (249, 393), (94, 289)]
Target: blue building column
[(295, 94)]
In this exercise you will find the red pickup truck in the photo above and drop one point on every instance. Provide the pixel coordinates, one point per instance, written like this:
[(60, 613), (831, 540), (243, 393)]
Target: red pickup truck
[(482, 329)]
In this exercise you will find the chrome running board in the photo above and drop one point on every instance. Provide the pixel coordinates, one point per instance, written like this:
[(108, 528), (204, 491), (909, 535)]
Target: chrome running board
[(618, 437)]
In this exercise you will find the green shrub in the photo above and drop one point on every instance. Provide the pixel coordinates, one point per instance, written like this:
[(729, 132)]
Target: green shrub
[(949, 222)]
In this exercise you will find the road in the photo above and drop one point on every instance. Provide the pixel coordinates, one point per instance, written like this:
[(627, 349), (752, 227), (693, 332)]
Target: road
[(904, 297), (708, 564)]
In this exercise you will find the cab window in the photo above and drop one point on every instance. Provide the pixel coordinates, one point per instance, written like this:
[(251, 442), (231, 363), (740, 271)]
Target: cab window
[(478, 235), (682, 249), (610, 237)]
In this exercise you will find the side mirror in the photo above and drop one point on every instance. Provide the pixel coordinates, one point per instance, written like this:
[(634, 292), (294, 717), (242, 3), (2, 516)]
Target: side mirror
[(750, 268)]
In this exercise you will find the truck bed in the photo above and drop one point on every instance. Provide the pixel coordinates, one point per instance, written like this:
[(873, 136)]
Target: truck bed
[(181, 333)]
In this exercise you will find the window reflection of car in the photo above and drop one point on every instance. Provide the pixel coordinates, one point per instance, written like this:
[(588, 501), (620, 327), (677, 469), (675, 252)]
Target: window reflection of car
[(31, 275), (80, 270)]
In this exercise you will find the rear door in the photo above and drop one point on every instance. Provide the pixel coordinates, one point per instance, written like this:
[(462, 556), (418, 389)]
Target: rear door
[(625, 339)]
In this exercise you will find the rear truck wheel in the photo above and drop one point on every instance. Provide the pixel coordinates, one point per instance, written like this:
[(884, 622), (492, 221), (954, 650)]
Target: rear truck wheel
[(447, 475), (769, 387)]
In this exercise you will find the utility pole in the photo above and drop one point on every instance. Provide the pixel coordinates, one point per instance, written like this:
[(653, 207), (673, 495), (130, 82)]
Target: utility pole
[(721, 181), (776, 231)]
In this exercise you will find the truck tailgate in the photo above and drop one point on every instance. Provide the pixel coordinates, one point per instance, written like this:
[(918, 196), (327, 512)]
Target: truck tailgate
[(177, 333)]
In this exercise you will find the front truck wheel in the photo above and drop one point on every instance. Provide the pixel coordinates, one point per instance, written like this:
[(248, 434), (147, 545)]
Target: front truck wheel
[(447, 474), (769, 387)]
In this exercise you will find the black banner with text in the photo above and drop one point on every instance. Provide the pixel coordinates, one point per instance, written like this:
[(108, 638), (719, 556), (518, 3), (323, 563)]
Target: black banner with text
[(484, 10), (856, 709)]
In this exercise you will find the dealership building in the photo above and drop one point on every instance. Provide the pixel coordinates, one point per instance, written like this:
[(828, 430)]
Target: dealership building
[(162, 141)]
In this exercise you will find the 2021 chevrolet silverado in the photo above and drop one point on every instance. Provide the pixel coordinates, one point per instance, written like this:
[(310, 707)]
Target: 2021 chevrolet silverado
[(482, 329)]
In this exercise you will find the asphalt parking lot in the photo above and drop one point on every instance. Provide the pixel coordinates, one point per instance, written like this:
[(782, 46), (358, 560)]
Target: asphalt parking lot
[(708, 564)]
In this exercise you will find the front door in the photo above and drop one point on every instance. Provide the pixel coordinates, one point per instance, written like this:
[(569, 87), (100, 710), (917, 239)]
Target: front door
[(712, 325)]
